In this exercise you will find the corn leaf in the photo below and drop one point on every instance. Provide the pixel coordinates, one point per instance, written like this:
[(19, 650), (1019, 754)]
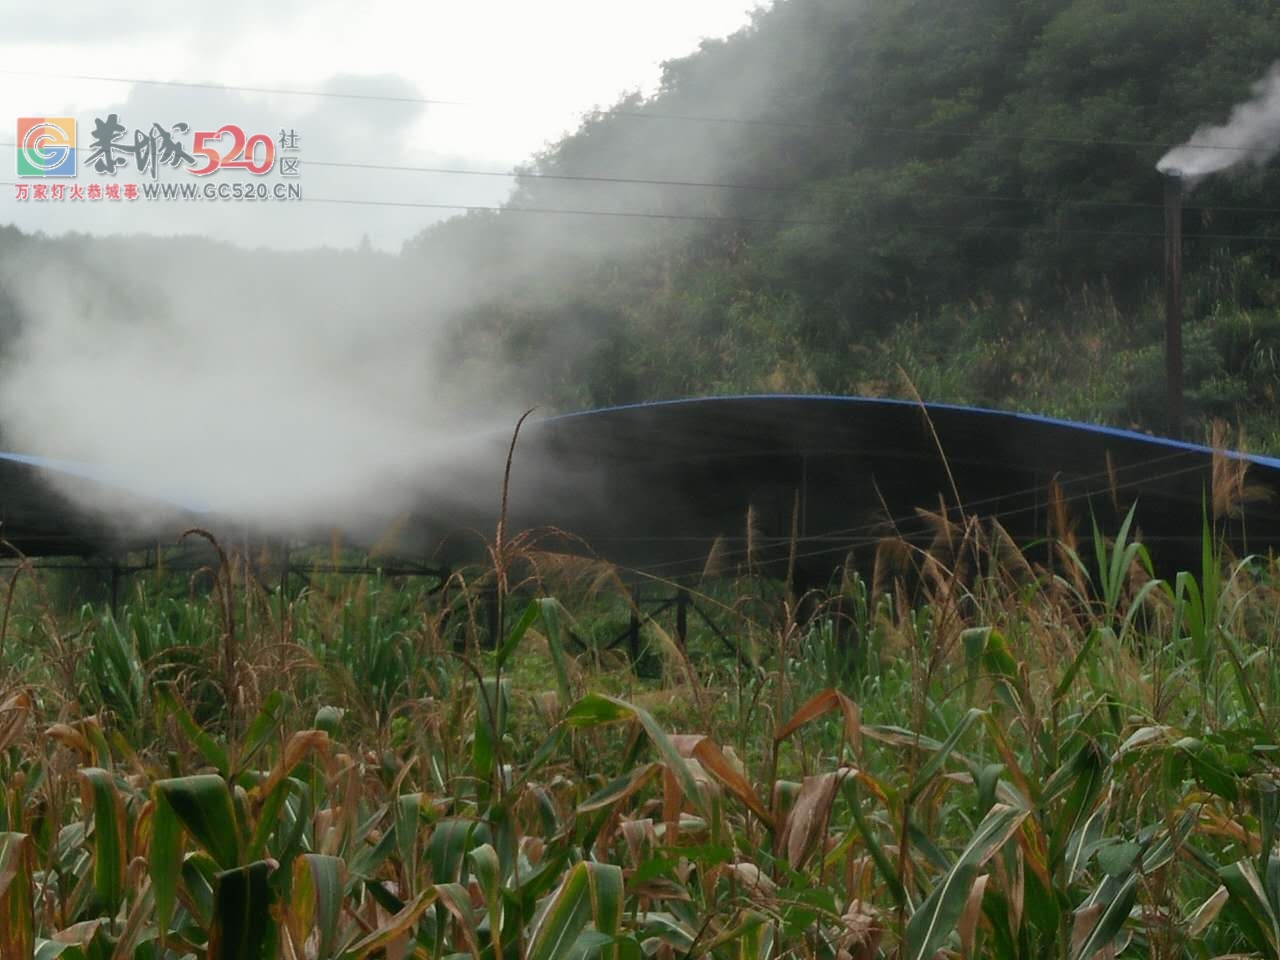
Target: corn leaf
[(243, 925), (164, 860), (109, 855), (589, 891), (937, 917), (316, 901), (596, 709), (203, 804), (17, 910)]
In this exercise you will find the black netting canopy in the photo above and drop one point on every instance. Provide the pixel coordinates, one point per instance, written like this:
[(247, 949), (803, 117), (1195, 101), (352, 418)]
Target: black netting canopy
[(657, 486), (44, 510)]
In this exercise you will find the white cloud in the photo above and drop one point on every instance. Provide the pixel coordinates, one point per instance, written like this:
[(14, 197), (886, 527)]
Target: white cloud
[(526, 73), (97, 25)]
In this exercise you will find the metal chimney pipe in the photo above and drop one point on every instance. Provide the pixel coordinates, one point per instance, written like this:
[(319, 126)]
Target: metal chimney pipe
[(1173, 194)]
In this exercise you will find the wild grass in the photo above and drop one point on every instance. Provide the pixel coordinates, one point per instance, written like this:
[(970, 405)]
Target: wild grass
[(962, 754)]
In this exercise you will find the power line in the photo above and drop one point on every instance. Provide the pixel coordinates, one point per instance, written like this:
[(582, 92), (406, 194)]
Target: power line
[(923, 132), (715, 218), (532, 175), (566, 211), (768, 188), (874, 531), (770, 221), (761, 188), (650, 114), (968, 505)]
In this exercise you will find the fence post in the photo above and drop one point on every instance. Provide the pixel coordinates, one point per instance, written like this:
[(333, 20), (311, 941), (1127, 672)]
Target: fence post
[(492, 616), (682, 617)]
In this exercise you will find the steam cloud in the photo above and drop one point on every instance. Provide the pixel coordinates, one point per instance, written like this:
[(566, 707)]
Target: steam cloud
[(317, 389), (1252, 135), (275, 389)]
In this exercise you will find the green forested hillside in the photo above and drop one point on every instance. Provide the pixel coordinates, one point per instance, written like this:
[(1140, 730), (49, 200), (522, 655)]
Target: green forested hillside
[(965, 748), (963, 191)]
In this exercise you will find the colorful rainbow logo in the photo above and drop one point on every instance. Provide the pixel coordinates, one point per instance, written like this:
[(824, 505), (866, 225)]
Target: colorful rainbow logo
[(46, 146)]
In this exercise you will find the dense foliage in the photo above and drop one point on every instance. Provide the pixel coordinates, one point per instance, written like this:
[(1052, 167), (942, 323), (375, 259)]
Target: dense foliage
[(960, 754), (966, 190), (981, 757), (1001, 761), (959, 190)]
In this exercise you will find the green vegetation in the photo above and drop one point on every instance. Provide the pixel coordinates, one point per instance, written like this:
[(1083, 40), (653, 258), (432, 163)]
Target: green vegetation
[(977, 758), (963, 189), (1001, 761)]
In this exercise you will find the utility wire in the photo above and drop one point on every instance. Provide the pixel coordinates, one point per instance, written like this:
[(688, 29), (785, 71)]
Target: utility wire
[(932, 196), (870, 527), (772, 221), (716, 218), (769, 188), (874, 531), (648, 114), (761, 188)]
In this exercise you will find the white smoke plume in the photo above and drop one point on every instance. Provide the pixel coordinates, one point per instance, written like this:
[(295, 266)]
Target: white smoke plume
[(275, 389), (300, 390), (1252, 135)]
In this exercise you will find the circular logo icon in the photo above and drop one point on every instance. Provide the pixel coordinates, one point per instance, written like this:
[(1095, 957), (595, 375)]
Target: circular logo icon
[(46, 146)]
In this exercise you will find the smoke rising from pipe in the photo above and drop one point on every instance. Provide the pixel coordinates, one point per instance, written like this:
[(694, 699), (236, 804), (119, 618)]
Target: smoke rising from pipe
[(1252, 135), (274, 389), (302, 389), (308, 390)]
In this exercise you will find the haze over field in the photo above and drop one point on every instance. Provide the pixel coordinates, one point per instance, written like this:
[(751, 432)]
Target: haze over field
[(805, 672), (289, 394), (838, 190), (270, 385)]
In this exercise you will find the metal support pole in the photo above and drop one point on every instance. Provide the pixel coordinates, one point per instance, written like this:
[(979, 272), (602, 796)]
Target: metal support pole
[(491, 616), (1173, 300), (682, 618), (633, 624), (633, 635), (839, 623)]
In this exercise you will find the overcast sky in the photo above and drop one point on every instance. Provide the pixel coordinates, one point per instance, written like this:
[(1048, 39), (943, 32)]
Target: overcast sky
[(525, 73)]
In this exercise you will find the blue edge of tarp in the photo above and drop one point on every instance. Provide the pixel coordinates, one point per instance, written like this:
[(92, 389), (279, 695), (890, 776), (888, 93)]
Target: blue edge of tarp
[(1271, 463), (123, 480)]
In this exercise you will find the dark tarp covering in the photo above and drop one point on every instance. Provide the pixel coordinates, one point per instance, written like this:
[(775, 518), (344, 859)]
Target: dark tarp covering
[(43, 510), (656, 485)]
